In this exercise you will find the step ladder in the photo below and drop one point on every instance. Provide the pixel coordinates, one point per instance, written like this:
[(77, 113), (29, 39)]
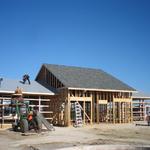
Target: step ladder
[(49, 126), (78, 115)]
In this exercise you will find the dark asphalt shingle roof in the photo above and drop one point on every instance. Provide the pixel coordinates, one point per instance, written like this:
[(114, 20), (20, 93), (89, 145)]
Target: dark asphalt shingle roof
[(10, 85), (78, 77)]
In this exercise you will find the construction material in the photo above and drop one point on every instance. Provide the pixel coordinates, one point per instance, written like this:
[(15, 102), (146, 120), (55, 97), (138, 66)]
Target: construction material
[(45, 122)]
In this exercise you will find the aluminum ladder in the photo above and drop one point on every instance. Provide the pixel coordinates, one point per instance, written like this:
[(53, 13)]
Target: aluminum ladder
[(78, 115)]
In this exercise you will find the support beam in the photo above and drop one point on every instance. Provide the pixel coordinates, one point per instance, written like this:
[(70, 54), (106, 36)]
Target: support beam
[(39, 103), (68, 110), (120, 111), (83, 112), (91, 113), (113, 112), (97, 108), (131, 112)]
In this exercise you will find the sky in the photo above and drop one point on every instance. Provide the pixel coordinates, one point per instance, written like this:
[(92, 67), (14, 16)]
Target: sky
[(113, 35)]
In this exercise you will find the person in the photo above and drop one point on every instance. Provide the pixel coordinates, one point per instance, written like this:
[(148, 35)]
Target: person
[(18, 90), (26, 77)]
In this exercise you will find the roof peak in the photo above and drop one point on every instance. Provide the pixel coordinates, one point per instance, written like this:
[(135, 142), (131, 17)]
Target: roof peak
[(72, 66)]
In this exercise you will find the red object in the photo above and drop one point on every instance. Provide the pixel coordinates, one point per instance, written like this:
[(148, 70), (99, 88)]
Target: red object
[(30, 117)]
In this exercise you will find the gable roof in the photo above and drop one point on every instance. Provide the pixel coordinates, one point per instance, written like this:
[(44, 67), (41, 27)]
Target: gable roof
[(10, 85), (77, 77)]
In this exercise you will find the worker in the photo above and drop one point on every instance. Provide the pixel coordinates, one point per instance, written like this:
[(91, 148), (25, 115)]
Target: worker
[(25, 78), (32, 120), (30, 116), (18, 90)]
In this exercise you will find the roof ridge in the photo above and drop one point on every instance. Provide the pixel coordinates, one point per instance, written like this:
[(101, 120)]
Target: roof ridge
[(78, 67)]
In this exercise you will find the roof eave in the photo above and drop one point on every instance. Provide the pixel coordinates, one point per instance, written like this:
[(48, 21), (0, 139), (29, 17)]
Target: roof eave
[(30, 93), (108, 90), (140, 97)]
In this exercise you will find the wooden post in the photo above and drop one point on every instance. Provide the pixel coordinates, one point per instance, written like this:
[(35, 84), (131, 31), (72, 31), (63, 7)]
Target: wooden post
[(97, 106), (68, 109), (84, 112), (143, 109), (39, 104), (93, 107), (120, 112), (91, 113), (131, 112), (113, 111), (2, 113), (125, 112)]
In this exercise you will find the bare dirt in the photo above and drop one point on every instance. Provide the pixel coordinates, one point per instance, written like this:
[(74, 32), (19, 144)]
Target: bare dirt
[(96, 137)]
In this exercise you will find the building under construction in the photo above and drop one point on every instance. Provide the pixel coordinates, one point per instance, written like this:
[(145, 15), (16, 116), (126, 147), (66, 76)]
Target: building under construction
[(101, 97), (68, 95)]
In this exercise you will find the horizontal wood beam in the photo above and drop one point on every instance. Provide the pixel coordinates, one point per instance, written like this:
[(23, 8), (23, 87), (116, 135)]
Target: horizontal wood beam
[(80, 98), (103, 101), (122, 100)]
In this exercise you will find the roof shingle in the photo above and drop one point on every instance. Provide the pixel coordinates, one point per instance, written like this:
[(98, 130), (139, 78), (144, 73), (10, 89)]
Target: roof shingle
[(78, 77)]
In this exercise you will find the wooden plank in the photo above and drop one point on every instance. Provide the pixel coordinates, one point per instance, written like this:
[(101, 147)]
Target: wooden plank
[(99, 90), (91, 112), (122, 99), (83, 112), (97, 108), (113, 113), (46, 112), (103, 101), (80, 98), (119, 107), (131, 112), (68, 107)]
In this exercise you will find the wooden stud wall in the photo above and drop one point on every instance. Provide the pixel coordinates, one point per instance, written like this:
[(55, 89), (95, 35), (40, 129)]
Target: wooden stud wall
[(85, 98), (138, 109), (42, 102), (45, 77), (117, 106), (58, 105)]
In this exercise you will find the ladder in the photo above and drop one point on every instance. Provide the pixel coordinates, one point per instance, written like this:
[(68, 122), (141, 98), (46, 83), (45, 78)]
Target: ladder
[(45, 122), (78, 115)]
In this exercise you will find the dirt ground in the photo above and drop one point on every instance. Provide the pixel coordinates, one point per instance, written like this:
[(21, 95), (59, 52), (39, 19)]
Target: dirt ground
[(96, 137)]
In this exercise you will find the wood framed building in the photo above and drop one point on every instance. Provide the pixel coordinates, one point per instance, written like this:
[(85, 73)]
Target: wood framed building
[(34, 93), (102, 97), (141, 106)]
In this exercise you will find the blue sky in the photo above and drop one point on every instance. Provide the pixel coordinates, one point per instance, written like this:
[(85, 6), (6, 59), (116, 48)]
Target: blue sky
[(113, 35)]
